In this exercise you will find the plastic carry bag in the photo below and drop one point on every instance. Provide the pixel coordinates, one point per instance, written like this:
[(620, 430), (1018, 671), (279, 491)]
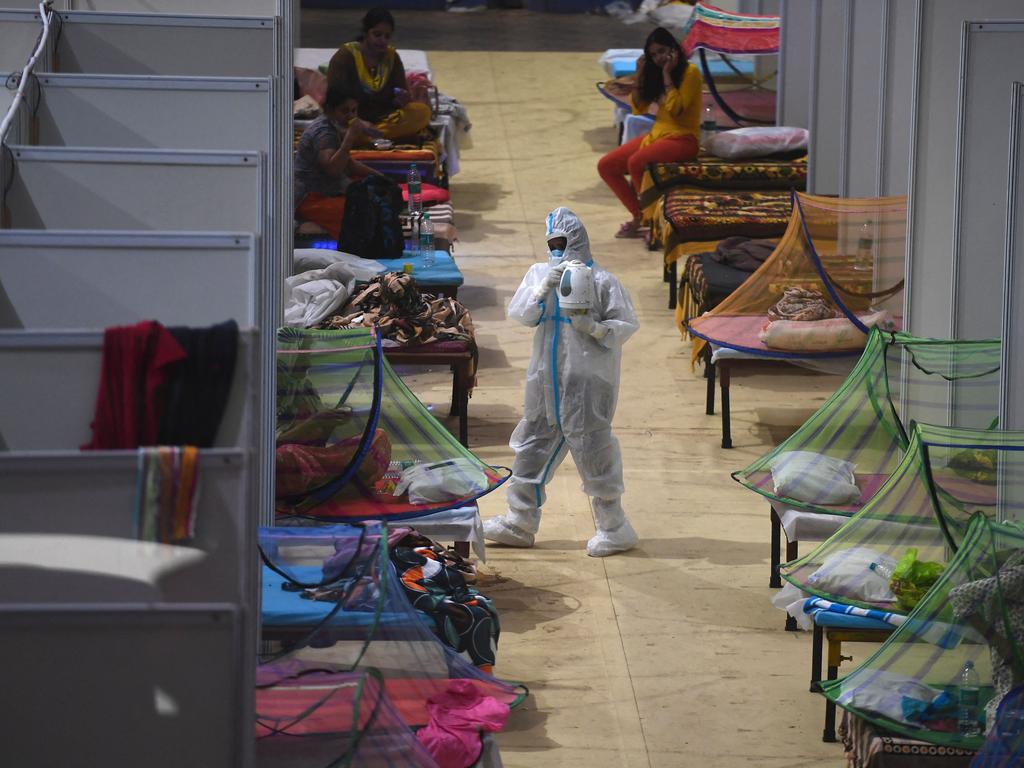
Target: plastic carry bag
[(442, 481)]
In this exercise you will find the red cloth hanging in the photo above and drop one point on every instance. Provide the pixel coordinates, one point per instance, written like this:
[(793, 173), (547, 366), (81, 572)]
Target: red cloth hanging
[(137, 360)]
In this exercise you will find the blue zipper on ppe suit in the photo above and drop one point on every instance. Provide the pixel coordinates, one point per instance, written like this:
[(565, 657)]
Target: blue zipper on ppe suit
[(556, 334)]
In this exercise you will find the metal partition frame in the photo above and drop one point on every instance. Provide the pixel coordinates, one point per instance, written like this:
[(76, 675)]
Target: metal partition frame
[(934, 165), (57, 373), (166, 44), (19, 32), (145, 111), (829, 74), (793, 83), (1011, 405), (137, 189), (101, 279), (990, 65), (217, 46)]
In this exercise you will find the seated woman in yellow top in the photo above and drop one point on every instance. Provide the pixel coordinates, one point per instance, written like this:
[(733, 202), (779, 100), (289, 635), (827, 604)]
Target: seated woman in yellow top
[(372, 69), (663, 75)]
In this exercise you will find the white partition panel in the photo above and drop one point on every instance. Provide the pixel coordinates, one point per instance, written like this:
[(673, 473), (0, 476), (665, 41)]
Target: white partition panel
[(860, 163), (59, 372), (120, 685), (154, 111), (1011, 410), (87, 493), (898, 59), (793, 87), (159, 44), (990, 64), (66, 188), (830, 56), (934, 162), (96, 280), (19, 33), (212, 7)]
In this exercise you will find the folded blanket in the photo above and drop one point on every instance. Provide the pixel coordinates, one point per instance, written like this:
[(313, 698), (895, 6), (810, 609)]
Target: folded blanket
[(815, 605), (820, 335)]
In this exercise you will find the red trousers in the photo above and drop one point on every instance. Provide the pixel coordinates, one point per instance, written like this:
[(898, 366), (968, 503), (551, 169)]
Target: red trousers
[(323, 210), (631, 159)]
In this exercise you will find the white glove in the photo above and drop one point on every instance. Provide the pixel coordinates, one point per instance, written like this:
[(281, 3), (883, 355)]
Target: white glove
[(550, 281), (588, 325)]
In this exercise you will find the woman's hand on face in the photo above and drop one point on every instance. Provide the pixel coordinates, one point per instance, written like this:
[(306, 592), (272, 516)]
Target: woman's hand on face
[(670, 63), (640, 62)]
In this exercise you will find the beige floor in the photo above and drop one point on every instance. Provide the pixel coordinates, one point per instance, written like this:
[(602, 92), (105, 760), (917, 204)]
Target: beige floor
[(670, 655)]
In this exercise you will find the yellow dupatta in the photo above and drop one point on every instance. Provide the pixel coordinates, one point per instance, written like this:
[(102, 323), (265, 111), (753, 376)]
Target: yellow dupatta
[(372, 83)]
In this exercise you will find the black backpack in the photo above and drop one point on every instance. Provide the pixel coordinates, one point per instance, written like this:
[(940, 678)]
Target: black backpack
[(371, 227)]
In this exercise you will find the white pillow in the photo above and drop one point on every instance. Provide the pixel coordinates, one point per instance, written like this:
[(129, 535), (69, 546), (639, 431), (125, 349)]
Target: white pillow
[(811, 477), (757, 142), (849, 574)]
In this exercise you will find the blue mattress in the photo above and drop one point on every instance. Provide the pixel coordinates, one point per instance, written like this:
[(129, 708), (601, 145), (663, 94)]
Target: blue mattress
[(290, 610), (443, 271), (832, 620)]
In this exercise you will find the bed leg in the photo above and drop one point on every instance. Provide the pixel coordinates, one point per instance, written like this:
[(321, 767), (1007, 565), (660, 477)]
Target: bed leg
[(774, 580), (673, 274), (723, 377), (829, 733), (453, 410), (461, 549), (709, 374), (817, 641), (792, 551)]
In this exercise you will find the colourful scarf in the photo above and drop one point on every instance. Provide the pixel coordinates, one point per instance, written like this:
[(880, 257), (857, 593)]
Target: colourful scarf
[(372, 83)]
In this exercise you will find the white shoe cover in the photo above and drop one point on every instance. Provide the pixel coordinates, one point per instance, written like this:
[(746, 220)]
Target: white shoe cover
[(606, 543), (499, 530)]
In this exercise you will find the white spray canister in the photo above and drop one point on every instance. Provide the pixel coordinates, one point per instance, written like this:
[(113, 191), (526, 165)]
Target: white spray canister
[(576, 288)]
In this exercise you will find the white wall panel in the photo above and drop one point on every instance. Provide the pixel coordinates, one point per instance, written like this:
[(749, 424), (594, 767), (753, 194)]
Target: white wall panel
[(829, 67), (932, 236)]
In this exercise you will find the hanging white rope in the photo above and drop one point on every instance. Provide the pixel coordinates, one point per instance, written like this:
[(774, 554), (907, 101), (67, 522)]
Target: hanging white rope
[(46, 14)]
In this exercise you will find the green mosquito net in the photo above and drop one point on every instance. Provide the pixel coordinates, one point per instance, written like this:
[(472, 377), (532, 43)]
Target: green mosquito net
[(353, 443), (889, 554), (837, 460), (917, 683)]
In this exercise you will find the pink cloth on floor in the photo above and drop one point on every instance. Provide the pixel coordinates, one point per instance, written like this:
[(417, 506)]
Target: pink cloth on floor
[(456, 718)]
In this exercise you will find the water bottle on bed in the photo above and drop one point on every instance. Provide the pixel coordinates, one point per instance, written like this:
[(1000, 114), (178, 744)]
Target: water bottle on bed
[(415, 190), (969, 710), (427, 241)]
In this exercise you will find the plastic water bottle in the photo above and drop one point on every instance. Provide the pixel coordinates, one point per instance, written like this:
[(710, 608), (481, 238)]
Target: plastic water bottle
[(882, 570), (415, 190), (415, 186), (427, 241), (969, 711), (708, 126)]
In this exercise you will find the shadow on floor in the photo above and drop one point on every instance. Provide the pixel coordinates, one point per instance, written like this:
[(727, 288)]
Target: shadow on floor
[(523, 608), (477, 227), (603, 139), (478, 196), (715, 551)]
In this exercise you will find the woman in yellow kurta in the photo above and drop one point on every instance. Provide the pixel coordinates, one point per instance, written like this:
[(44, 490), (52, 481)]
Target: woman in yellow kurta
[(665, 77), (371, 69)]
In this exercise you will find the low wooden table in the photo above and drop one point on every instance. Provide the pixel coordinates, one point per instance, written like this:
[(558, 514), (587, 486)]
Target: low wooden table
[(460, 356)]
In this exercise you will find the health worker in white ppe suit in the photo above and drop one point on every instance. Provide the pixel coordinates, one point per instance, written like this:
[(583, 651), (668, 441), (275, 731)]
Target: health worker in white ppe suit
[(572, 385)]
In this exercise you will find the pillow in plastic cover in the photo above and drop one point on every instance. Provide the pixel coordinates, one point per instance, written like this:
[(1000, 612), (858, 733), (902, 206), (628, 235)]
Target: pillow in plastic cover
[(757, 142), (848, 574), (811, 477)]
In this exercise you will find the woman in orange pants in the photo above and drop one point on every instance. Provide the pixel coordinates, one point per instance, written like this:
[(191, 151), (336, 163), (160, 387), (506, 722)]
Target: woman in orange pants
[(323, 168), (665, 77)]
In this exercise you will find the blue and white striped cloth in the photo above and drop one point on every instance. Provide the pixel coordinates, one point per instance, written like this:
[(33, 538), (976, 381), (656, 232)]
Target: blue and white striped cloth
[(815, 605)]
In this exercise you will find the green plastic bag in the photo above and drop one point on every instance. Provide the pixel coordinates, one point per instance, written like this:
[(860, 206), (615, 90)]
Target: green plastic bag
[(912, 578)]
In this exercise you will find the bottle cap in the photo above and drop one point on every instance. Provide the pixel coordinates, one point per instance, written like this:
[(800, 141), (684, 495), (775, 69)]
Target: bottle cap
[(407, 267)]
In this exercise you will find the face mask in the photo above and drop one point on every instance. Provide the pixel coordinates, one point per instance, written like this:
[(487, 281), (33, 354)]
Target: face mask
[(555, 256)]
